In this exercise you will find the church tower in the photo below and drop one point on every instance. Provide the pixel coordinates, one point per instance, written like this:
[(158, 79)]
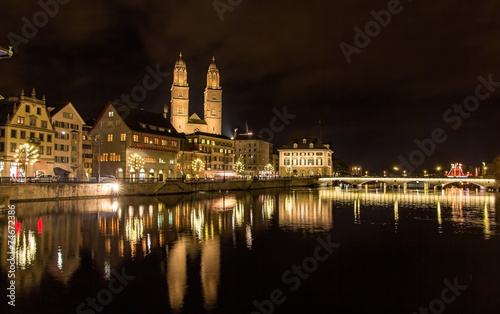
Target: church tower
[(213, 100), (179, 99)]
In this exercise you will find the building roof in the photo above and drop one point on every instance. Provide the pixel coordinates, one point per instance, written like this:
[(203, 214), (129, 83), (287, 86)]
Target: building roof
[(301, 144), (56, 107), (145, 121), (249, 137), (195, 119), (208, 135)]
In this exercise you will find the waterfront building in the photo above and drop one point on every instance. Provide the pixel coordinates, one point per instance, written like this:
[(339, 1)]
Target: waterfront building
[(87, 150), (134, 143), (256, 152), (206, 155), (25, 120), (68, 125), (305, 156), (179, 103)]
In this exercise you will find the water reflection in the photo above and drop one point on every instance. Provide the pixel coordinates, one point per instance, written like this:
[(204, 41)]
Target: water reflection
[(187, 230)]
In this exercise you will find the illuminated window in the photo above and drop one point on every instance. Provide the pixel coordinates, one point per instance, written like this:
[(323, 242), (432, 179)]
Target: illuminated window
[(295, 145), (146, 139), (123, 137), (111, 114), (157, 141), (164, 142), (135, 138), (311, 145), (20, 120), (110, 137)]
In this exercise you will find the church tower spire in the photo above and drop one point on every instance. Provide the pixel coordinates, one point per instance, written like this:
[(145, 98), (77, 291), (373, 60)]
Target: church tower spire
[(179, 99), (213, 100)]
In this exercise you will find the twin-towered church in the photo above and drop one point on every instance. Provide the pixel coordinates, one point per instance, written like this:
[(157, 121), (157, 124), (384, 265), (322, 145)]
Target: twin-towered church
[(179, 103)]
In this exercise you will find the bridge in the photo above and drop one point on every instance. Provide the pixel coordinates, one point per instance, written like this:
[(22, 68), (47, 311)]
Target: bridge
[(490, 184)]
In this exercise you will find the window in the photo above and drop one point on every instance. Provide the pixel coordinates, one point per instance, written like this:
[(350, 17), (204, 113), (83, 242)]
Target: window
[(2, 147), (213, 112), (295, 145), (49, 139), (149, 160), (311, 145), (40, 150), (32, 135), (20, 120), (110, 137), (171, 161), (2, 132), (164, 142), (22, 134), (114, 157), (146, 139), (49, 149), (104, 157), (13, 147), (44, 124), (174, 144), (135, 138), (304, 141), (33, 121), (157, 141), (68, 115), (38, 111), (123, 137), (74, 136), (111, 114), (13, 133), (27, 108)]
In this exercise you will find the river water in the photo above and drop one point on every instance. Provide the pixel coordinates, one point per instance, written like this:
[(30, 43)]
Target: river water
[(321, 250)]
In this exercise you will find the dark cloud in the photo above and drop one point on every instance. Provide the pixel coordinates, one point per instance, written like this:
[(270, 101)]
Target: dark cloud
[(275, 54)]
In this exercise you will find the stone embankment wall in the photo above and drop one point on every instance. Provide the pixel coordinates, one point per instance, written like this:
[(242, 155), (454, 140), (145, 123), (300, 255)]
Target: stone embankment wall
[(20, 192)]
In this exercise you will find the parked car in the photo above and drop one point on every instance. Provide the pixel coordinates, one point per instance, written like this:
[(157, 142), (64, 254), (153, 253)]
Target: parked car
[(45, 178), (107, 179)]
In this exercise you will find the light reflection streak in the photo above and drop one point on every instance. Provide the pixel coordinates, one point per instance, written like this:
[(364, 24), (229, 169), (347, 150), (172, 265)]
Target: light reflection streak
[(440, 220), (486, 222), (396, 216)]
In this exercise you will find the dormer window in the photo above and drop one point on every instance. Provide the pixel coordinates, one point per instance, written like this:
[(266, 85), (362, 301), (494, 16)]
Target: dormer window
[(295, 145), (304, 141), (311, 145)]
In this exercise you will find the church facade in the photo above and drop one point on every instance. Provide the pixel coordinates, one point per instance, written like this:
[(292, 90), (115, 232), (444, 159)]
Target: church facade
[(179, 102)]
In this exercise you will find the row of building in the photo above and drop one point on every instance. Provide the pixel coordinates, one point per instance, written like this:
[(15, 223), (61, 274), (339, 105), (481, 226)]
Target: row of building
[(129, 142)]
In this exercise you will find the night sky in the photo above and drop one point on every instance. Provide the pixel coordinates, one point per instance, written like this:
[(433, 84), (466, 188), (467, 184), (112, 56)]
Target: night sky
[(273, 54)]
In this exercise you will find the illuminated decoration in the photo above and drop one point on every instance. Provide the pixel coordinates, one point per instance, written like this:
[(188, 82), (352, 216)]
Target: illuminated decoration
[(288, 170), (135, 162), (26, 154), (198, 165), (269, 168), (456, 171), (239, 167), (5, 53)]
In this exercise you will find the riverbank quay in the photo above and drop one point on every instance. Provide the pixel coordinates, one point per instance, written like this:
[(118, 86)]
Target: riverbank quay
[(22, 192)]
